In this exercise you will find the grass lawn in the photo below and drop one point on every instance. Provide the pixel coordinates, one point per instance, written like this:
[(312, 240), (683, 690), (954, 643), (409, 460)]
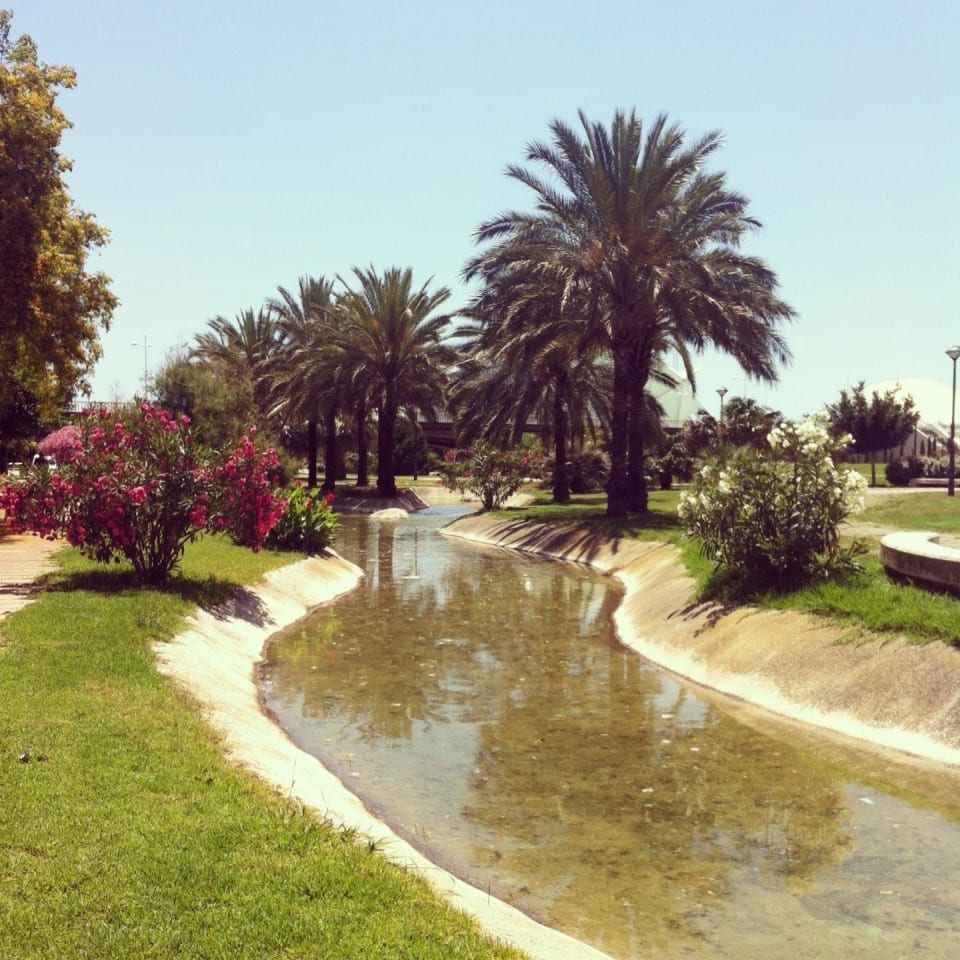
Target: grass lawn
[(126, 834), (869, 600)]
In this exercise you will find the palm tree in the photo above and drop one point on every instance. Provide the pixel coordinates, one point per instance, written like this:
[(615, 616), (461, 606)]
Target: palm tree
[(633, 220), (240, 346), (390, 336), (528, 356), (303, 375)]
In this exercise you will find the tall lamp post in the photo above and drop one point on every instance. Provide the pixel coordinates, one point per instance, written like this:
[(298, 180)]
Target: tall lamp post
[(723, 392), (146, 346), (953, 353)]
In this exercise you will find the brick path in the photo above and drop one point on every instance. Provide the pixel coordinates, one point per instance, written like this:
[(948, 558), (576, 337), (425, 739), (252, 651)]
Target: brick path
[(23, 558)]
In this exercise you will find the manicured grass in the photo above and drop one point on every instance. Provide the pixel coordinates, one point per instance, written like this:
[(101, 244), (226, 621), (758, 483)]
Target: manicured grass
[(929, 510), (866, 601), (872, 601), (864, 470), (124, 831)]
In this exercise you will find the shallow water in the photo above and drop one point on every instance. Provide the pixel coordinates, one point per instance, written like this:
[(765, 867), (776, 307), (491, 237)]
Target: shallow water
[(480, 703)]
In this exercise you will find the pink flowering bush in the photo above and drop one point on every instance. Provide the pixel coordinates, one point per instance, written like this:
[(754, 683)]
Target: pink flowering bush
[(488, 473), (136, 487), (62, 445)]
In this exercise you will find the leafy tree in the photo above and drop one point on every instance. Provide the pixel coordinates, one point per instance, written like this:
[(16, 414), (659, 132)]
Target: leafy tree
[(219, 403), (635, 222), (878, 423), (19, 424), (51, 307), (391, 335)]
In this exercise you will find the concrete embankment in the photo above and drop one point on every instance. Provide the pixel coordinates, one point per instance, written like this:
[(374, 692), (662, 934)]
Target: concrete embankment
[(886, 693)]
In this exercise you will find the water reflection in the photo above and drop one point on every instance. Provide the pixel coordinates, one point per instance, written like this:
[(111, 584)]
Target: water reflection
[(481, 704)]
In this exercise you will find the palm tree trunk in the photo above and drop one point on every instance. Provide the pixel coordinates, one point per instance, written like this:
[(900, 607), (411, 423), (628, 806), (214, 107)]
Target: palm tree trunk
[(363, 476), (386, 427), (311, 454), (617, 485), (330, 449), (637, 496), (561, 479)]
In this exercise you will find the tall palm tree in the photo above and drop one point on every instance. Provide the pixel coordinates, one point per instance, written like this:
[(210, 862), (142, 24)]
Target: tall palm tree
[(391, 336), (303, 375), (635, 220)]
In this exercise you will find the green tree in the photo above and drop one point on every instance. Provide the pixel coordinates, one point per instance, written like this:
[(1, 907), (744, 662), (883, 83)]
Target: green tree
[(52, 307), (219, 404), (635, 220), (19, 425), (878, 423), (391, 337)]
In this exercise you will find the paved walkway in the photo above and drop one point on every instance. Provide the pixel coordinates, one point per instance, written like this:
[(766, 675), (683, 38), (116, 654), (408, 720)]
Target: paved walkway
[(23, 559)]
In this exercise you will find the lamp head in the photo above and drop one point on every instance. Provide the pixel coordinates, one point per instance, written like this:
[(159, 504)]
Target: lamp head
[(953, 353)]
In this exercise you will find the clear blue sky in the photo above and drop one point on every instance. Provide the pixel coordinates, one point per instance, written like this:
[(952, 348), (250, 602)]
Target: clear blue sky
[(231, 147)]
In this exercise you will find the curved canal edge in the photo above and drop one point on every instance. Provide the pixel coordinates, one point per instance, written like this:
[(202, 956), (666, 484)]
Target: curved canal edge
[(888, 694), (216, 659)]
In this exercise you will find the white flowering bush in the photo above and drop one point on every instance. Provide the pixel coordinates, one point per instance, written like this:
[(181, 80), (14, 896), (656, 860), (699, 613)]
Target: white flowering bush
[(772, 517)]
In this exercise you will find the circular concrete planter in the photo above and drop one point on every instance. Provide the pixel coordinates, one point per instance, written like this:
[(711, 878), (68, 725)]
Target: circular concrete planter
[(924, 557)]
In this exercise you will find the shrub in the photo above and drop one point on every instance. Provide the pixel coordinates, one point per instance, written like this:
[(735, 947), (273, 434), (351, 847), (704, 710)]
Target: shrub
[(589, 471), (137, 487), (772, 518), (904, 469), (308, 522), (675, 461), (490, 474)]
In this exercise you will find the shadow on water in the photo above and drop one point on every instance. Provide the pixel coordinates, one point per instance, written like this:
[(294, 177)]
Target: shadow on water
[(480, 703)]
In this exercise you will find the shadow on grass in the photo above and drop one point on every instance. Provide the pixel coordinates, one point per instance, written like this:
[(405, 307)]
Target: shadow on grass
[(220, 598), (591, 514)]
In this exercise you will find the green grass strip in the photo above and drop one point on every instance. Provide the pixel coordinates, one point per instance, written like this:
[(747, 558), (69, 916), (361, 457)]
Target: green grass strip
[(124, 833)]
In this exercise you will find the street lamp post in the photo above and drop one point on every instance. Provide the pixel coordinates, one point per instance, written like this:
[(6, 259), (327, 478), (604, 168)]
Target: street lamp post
[(953, 353), (723, 392), (146, 346)]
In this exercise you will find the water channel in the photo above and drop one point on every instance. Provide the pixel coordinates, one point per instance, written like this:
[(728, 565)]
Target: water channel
[(480, 703)]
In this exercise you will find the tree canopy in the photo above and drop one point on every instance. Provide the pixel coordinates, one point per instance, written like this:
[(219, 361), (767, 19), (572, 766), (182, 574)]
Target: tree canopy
[(52, 308), (876, 423)]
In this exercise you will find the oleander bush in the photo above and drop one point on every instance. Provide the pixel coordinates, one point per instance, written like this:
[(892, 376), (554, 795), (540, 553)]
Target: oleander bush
[(134, 485), (771, 517), (488, 473)]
